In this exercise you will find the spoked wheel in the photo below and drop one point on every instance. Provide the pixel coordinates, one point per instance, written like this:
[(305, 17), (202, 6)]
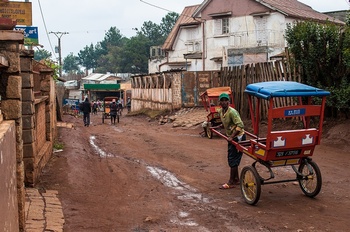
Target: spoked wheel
[(250, 185), (311, 181)]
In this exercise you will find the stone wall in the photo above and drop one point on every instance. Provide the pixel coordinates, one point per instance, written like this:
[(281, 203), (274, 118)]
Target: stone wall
[(30, 106), (8, 185), (11, 107)]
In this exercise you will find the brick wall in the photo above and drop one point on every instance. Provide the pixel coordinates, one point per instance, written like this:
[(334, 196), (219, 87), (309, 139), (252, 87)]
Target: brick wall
[(40, 125)]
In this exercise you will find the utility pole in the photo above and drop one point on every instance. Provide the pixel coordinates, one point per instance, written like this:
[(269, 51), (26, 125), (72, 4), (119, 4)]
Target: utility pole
[(59, 34)]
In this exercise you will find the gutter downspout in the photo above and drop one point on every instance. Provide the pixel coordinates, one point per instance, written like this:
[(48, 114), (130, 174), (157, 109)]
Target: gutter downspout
[(204, 44)]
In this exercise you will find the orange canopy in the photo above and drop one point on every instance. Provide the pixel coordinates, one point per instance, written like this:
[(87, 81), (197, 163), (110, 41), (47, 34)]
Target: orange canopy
[(215, 92)]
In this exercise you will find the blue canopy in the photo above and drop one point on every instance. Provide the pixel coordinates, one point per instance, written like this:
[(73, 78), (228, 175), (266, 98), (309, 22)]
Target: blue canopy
[(270, 89)]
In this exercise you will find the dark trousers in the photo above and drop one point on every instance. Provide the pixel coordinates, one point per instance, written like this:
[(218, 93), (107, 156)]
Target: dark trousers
[(86, 119), (233, 155), (113, 118)]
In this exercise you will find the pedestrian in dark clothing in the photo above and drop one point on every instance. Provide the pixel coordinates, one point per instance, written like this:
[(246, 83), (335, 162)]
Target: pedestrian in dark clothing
[(113, 111), (94, 107), (86, 109), (128, 104)]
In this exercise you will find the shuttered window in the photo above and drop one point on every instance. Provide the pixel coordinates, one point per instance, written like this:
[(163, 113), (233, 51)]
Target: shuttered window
[(221, 26)]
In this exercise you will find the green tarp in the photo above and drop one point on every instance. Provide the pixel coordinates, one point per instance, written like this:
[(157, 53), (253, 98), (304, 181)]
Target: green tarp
[(101, 86)]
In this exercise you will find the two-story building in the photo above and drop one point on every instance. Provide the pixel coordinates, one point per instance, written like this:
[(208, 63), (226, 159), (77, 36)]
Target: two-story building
[(220, 33)]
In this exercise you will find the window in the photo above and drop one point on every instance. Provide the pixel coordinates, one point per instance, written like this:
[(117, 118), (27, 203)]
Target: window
[(235, 60), (222, 26), (225, 26), (156, 52)]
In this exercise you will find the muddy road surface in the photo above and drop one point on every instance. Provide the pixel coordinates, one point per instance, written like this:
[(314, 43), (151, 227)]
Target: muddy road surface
[(142, 176)]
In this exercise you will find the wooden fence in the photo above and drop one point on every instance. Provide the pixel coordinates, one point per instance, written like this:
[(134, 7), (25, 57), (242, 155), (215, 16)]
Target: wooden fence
[(238, 77)]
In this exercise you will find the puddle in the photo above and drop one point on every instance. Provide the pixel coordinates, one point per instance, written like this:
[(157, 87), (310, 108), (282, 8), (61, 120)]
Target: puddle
[(101, 153), (183, 191)]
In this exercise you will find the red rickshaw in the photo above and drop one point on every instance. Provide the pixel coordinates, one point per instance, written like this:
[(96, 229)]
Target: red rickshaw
[(292, 147), (210, 100)]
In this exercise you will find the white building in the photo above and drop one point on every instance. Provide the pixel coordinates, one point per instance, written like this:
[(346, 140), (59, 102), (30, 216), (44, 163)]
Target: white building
[(220, 33)]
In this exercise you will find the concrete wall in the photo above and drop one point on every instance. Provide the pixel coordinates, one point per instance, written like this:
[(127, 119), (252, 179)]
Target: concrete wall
[(8, 182)]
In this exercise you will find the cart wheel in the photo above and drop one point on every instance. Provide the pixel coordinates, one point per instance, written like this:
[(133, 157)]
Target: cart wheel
[(311, 184), (103, 118), (250, 185), (208, 132)]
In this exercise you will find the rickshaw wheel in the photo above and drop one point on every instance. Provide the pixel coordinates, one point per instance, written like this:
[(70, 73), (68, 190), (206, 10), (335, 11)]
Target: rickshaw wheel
[(208, 132), (311, 184), (250, 185)]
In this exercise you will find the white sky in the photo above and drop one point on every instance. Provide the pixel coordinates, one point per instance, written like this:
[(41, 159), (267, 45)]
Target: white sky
[(88, 21)]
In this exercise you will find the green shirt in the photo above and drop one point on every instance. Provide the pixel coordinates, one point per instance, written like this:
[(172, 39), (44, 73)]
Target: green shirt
[(231, 121)]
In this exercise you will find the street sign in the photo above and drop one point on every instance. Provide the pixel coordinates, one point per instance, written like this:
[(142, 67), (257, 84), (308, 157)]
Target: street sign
[(30, 35), (19, 11)]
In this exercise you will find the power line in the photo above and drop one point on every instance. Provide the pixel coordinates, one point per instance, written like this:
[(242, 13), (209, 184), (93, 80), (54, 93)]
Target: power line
[(42, 17), (156, 6)]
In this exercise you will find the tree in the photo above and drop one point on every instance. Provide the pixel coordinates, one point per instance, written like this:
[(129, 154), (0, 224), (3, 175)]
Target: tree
[(113, 37), (168, 23), (135, 54), (42, 54), (71, 64), (153, 33), (87, 57), (323, 55)]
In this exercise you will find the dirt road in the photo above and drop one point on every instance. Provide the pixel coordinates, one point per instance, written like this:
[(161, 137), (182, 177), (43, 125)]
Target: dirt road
[(142, 176)]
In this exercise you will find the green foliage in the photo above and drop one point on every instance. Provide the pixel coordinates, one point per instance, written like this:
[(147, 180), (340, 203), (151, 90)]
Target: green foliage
[(168, 23), (71, 64), (323, 53), (42, 54), (58, 146), (340, 96), (116, 53), (54, 66), (87, 57)]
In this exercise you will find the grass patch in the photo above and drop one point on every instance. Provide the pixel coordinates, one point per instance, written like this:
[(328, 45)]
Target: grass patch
[(58, 146)]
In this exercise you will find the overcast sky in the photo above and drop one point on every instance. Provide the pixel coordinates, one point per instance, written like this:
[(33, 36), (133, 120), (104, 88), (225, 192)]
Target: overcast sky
[(87, 21)]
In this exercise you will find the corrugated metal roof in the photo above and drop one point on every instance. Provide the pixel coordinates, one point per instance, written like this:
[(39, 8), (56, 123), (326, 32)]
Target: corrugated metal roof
[(184, 19), (296, 9), (99, 77)]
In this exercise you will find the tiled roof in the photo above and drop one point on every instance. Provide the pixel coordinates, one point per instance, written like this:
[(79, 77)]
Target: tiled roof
[(296, 9), (184, 19)]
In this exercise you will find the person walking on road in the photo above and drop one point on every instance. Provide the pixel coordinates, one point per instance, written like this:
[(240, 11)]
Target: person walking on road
[(113, 111), (234, 129), (86, 109), (128, 104), (94, 107)]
